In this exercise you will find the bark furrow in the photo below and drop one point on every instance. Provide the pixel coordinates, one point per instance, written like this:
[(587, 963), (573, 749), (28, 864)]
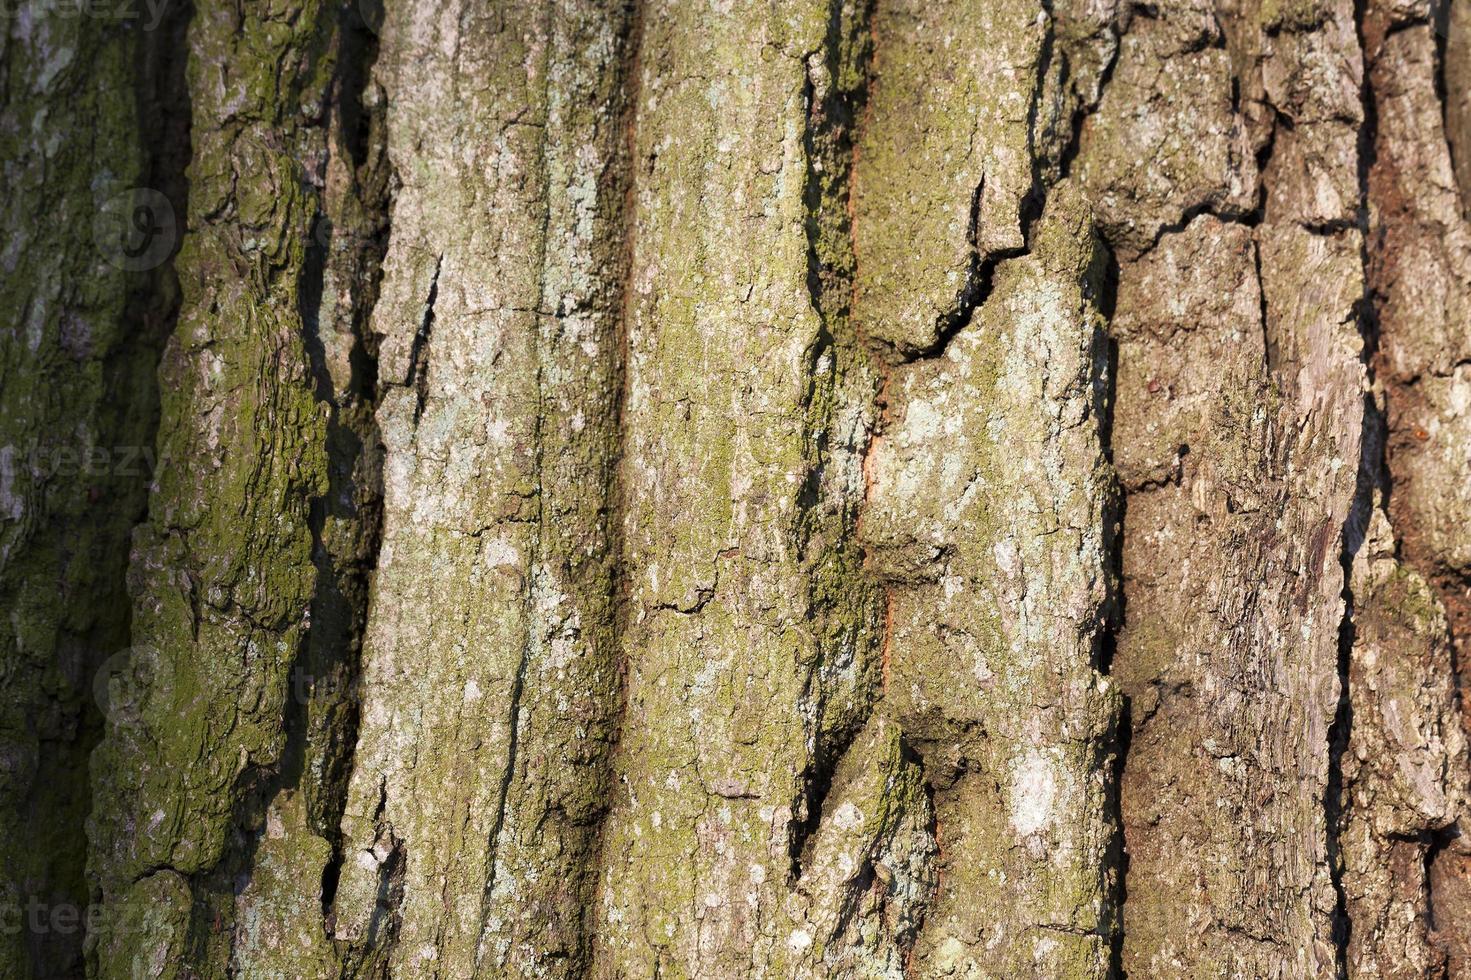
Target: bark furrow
[(284, 880), (222, 574), (1407, 860), (771, 831), (988, 492)]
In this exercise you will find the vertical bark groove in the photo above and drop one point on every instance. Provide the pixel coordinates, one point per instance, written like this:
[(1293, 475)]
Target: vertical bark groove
[(798, 817), (1231, 378), (285, 879), (240, 457), (470, 826), (979, 590)]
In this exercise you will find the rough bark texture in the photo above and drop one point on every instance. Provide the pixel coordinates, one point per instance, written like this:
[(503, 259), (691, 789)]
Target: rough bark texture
[(745, 838), (192, 783), (699, 488), (489, 675), (988, 489), (84, 292), (1415, 922)]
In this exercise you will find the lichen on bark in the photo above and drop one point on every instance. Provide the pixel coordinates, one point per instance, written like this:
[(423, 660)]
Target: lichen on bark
[(222, 573), (760, 835), (489, 682), (76, 411), (988, 502), (986, 521), (820, 488)]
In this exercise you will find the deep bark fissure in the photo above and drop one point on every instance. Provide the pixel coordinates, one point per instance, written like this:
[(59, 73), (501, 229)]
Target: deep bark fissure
[(378, 942), (1409, 618), (829, 137), (309, 301), (1115, 523), (355, 457), (344, 239), (151, 312), (324, 656), (518, 683), (625, 123), (1372, 476), (418, 376), (1114, 754), (882, 356), (618, 584)]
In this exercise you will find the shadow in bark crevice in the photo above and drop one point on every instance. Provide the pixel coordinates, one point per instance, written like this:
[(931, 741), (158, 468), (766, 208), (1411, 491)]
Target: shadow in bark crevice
[(321, 702), (150, 315)]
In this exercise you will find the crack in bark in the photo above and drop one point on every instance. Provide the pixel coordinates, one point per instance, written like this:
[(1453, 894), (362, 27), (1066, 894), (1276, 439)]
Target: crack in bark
[(355, 454), (833, 112), (981, 274), (1371, 474), (319, 724), (619, 584), (1398, 223), (418, 375)]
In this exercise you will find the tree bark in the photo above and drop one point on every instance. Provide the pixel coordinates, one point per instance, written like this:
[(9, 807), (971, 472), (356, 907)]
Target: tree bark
[(86, 292), (821, 488)]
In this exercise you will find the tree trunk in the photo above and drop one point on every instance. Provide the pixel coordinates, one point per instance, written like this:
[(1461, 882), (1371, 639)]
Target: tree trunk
[(820, 488), (89, 150)]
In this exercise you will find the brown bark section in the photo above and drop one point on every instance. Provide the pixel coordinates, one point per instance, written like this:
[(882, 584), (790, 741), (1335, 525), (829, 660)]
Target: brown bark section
[(1419, 267), (1233, 684), (1404, 769), (1223, 163)]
